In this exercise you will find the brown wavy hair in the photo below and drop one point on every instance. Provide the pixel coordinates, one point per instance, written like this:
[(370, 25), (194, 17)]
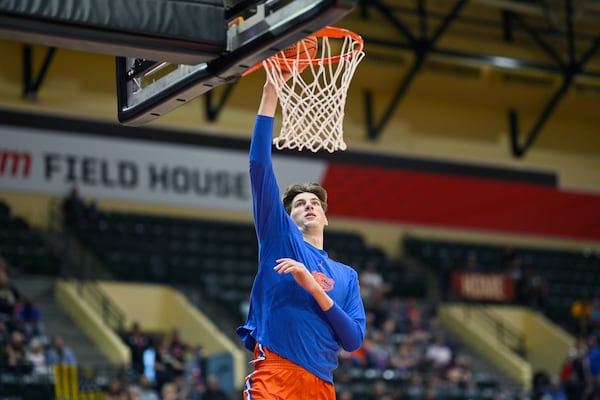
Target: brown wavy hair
[(297, 188)]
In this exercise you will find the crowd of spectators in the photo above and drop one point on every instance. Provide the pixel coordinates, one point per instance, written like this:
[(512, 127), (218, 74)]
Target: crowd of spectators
[(578, 377), (161, 368), (585, 316), (403, 338), (164, 367), (25, 347)]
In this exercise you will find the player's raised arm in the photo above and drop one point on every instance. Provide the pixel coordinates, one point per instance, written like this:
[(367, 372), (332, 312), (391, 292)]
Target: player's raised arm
[(268, 102)]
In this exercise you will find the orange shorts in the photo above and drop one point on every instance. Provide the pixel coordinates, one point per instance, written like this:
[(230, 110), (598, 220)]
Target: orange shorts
[(277, 378)]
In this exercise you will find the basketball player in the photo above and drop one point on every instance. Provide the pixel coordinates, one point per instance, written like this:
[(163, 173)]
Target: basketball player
[(303, 306)]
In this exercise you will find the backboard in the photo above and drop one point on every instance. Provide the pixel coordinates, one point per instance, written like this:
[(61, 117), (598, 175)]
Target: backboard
[(255, 30), (169, 52)]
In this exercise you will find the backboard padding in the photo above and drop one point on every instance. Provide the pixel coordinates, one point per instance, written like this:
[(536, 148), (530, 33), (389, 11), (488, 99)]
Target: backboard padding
[(177, 31), (273, 26)]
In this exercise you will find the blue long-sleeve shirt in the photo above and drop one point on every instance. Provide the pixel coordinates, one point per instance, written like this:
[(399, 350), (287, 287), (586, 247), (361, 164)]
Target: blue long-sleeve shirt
[(283, 316)]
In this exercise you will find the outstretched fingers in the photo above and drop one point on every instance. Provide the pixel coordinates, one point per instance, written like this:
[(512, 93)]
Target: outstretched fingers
[(301, 274), (287, 265)]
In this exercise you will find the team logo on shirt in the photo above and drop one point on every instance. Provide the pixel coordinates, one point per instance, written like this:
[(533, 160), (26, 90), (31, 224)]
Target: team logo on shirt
[(325, 282)]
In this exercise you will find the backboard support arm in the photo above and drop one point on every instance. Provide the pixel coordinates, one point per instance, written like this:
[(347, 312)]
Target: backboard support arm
[(269, 30)]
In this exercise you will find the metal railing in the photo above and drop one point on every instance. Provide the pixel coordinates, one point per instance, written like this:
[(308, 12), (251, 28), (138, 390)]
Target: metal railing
[(110, 312), (504, 334)]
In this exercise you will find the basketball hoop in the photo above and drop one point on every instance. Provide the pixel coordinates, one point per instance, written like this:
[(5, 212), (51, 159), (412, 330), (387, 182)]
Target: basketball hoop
[(313, 100)]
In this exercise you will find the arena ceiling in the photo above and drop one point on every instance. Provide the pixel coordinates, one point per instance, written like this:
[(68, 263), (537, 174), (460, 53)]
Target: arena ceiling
[(548, 47), (552, 44)]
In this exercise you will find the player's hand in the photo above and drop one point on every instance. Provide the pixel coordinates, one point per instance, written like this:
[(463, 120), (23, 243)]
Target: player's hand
[(286, 75), (299, 271), (281, 77)]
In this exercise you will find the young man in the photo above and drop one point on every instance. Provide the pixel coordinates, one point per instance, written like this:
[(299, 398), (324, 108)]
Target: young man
[(304, 306)]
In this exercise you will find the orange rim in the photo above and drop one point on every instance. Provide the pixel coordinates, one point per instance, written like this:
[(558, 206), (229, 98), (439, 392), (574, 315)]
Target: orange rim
[(332, 32), (328, 31)]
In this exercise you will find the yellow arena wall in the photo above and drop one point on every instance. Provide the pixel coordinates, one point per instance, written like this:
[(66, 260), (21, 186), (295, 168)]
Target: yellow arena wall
[(451, 113)]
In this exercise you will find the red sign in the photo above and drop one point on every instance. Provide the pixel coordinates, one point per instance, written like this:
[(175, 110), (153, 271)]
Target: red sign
[(10, 161), (484, 287)]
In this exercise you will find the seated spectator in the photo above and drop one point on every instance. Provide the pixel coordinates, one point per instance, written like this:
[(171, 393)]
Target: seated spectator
[(115, 391), (536, 290), (176, 363), (168, 365), (169, 392), (539, 384), (573, 372), (472, 264), (420, 334), (15, 357), (434, 388), (380, 350), (198, 386), (363, 357), (182, 387), (592, 362), (29, 317), (137, 343), (177, 343), (376, 314), (6, 267), (581, 309), (372, 284), (413, 314), (514, 268), (9, 298), (438, 354), (379, 392), (178, 350), (133, 391), (91, 211), (36, 357), (389, 330), (149, 360), (395, 310), (162, 357), (146, 391), (508, 257), (459, 372), (59, 353), (595, 316), (345, 394), (406, 357), (73, 208), (435, 327), (213, 389), (555, 391)]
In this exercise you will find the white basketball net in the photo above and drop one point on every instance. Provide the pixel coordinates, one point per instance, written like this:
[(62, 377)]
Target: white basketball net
[(313, 102)]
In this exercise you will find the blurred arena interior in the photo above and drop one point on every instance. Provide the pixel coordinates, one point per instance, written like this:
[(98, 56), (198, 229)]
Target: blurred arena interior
[(470, 187)]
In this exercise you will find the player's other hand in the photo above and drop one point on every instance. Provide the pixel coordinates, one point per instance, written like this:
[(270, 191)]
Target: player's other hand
[(299, 271)]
